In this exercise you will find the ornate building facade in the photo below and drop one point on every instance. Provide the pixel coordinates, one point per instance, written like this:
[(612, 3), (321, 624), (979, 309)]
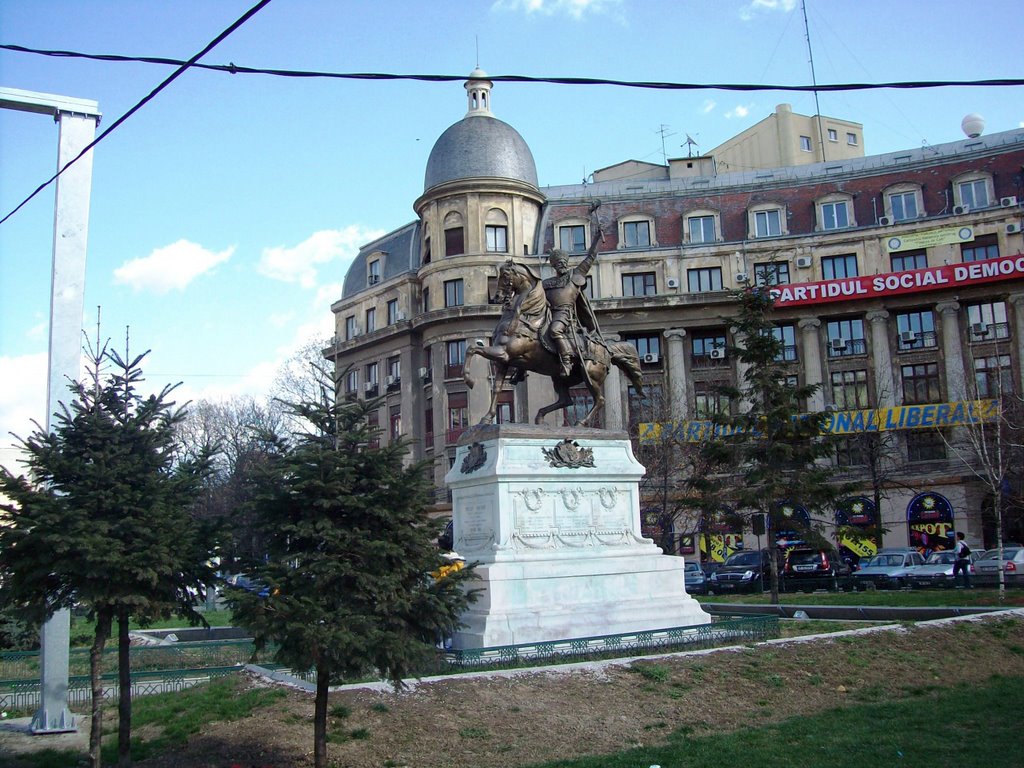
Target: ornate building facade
[(900, 282)]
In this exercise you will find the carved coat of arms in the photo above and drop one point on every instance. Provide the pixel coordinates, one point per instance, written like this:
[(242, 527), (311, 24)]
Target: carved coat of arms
[(570, 455)]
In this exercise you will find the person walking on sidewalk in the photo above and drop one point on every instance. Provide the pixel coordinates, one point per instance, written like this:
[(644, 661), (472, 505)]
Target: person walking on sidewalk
[(962, 563)]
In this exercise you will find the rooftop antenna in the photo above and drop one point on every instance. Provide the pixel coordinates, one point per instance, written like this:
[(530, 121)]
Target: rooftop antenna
[(663, 130), (477, 38), (690, 144), (814, 79)]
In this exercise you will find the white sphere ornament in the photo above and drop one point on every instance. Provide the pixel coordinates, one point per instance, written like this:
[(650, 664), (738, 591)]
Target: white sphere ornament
[(973, 125)]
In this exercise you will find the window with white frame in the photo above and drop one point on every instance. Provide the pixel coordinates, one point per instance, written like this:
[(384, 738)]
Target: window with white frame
[(373, 272), (916, 330), (805, 143), (635, 234), (497, 238), (350, 327), (771, 273), (352, 381), (833, 135), (834, 214), (572, 238), (701, 229), (455, 356), (768, 222), (704, 279), (903, 204), (988, 321), (708, 349), (851, 139), (648, 346), (838, 267), (371, 320), (392, 311), (846, 337), (453, 296), (973, 193)]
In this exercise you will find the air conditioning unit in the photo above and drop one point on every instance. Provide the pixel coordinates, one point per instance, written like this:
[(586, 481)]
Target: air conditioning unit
[(650, 357), (979, 329), (908, 337), (399, 316), (718, 353), (424, 373), (741, 277), (392, 380), (369, 386), (1013, 228), (356, 331), (804, 261), (672, 283), (885, 221), (1008, 202), (838, 345), (372, 279), (960, 210)]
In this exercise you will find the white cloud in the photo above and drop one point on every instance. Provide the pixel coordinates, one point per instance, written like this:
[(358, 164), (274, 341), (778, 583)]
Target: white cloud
[(22, 400), (300, 263), (708, 106), (740, 110), (575, 9), (171, 267), (755, 7)]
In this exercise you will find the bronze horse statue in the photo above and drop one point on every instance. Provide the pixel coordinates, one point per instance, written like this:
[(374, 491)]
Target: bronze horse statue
[(519, 345)]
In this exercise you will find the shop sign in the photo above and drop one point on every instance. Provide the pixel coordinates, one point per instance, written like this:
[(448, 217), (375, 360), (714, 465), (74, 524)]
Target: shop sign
[(856, 514), (929, 238), (897, 283), (930, 523)]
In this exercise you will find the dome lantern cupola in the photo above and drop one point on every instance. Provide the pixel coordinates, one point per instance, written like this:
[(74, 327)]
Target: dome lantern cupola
[(478, 92)]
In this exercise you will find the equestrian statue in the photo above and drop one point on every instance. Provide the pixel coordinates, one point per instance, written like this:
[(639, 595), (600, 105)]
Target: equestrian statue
[(548, 327)]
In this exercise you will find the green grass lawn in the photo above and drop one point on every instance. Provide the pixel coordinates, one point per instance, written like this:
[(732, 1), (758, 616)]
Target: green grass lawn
[(934, 728), (82, 629), (928, 598)]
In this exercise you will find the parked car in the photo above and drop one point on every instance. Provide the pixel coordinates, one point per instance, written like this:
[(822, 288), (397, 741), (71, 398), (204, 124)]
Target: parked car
[(741, 572), (816, 568), (889, 569), (987, 568), (937, 570), (693, 576)]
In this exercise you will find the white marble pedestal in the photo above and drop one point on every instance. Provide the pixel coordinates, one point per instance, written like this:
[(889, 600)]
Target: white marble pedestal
[(553, 519)]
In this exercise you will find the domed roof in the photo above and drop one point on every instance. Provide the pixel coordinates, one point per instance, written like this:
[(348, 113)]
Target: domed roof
[(479, 145)]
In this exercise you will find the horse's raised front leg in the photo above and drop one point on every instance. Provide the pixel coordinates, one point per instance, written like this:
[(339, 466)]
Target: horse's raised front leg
[(564, 400)]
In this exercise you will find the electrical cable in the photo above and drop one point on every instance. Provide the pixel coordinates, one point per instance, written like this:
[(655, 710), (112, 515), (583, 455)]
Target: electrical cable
[(183, 66), (235, 69)]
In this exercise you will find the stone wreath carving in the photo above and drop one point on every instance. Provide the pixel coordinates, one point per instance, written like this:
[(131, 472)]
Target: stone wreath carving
[(570, 455)]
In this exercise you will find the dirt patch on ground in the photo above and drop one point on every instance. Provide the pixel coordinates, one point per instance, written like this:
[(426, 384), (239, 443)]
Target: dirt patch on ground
[(526, 718)]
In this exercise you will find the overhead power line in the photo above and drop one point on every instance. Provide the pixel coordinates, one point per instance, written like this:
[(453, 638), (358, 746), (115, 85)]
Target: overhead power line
[(235, 69), (182, 67)]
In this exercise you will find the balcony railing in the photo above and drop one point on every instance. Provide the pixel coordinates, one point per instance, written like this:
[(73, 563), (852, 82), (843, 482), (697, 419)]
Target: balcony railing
[(921, 340), (707, 361), (851, 348)]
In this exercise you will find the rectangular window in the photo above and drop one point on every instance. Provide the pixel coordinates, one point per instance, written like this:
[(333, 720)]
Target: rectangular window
[(458, 415), (371, 320), (428, 423), (701, 229), (373, 422), (805, 143), (704, 279), (572, 238), (982, 247), (708, 351), (648, 346), (907, 260), (352, 381), (768, 223), (350, 327), (921, 383), (925, 445), (851, 139), (771, 273), (372, 382), (839, 267), (786, 336), (993, 376), (639, 284), (708, 400), (916, 330), (903, 205), (974, 194), (833, 135), (850, 452), (506, 407), (834, 215), (453, 293), (373, 273), (395, 422), (846, 337), (454, 358), (497, 239), (850, 389), (426, 251), (988, 321), (582, 403), (636, 234), (394, 371), (392, 311), (454, 242)]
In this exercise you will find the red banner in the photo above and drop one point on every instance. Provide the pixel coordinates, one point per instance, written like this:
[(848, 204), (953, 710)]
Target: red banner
[(912, 281)]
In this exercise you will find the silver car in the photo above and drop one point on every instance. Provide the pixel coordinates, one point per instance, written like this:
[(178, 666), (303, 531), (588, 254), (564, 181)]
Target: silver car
[(987, 568), (887, 570), (937, 570)]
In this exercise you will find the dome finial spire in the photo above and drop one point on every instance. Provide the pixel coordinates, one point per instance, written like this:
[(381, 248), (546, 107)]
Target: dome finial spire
[(478, 93)]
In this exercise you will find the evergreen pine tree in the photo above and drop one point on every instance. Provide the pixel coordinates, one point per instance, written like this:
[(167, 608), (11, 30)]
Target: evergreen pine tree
[(347, 588), (102, 520)]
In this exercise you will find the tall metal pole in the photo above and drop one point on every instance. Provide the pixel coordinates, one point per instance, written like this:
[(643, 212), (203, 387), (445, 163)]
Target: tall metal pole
[(76, 120), (814, 79)]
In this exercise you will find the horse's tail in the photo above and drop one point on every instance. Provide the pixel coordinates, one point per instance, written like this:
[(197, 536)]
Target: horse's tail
[(624, 355)]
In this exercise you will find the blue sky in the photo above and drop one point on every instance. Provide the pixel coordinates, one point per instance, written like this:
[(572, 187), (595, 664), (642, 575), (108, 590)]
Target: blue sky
[(225, 213)]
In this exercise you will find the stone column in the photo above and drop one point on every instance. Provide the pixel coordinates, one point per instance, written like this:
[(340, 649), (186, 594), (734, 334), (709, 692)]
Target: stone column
[(882, 356), (1017, 300), (810, 350), (676, 356), (952, 350)]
